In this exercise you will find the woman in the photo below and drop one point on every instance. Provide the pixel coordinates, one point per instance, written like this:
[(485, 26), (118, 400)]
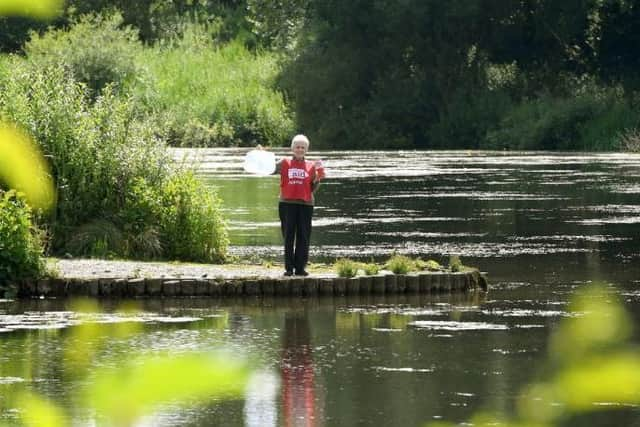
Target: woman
[(299, 179)]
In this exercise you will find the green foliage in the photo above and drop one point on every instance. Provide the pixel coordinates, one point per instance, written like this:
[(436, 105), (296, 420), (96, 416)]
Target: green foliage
[(629, 140), (466, 117), (346, 268), (210, 96), (99, 238), (20, 240), (99, 151), (277, 27), (400, 264), (455, 265), (96, 50), (370, 269), (160, 19), (432, 265), (185, 215), (588, 121), (414, 74)]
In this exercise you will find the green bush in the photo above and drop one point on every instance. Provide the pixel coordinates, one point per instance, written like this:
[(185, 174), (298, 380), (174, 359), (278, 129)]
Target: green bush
[(370, 269), (100, 151), (346, 268), (96, 50), (587, 121), (455, 264), (431, 265), (467, 117), (210, 96), (182, 214), (629, 140), (400, 264), (20, 240)]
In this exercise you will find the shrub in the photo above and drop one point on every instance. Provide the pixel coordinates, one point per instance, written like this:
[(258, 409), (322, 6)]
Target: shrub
[(20, 240), (370, 269), (96, 50), (586, 121), (629, 140), (455, 265), (432, 265), (100, 151), (214, 96), (191, 224), (346, 267), (400, 264)]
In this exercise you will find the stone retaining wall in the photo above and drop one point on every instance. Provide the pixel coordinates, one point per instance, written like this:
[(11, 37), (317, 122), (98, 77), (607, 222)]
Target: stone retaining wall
[(419, 283)]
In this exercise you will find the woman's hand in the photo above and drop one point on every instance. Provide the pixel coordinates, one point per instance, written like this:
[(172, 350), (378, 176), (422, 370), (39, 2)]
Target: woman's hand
[(319, 170)]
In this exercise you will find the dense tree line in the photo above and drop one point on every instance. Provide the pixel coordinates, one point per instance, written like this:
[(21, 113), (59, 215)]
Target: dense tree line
[(424, 73)]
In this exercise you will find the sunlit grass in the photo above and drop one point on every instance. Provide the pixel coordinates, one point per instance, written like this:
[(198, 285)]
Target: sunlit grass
[(221, 95)]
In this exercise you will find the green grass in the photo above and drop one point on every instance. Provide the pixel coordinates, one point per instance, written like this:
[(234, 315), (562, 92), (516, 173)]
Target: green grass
[(214, 95), (400, 264), (346, 268)]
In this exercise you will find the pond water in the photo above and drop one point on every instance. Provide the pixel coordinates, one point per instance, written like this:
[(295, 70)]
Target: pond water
[(543, 226)]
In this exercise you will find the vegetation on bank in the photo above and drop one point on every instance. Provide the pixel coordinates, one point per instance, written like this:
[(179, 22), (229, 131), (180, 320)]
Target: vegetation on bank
[(117, 191), (197, 93), (397, 264), (105, 86), (20, 240), (418, 74)]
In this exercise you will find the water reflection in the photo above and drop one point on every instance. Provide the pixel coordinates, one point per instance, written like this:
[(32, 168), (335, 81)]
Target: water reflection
[(300, 405)]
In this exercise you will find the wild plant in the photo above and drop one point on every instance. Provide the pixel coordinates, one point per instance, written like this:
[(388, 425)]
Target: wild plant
[(400, 264), (346, 267)]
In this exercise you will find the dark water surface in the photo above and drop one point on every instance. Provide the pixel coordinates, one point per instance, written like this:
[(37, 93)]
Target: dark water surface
[(543, 226)]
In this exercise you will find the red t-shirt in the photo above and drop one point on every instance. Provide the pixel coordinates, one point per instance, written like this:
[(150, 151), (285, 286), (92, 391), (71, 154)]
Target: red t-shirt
[(296, 179)]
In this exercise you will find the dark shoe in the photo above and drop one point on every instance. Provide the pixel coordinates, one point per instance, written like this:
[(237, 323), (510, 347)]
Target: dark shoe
[(288, 273), (302, 273)]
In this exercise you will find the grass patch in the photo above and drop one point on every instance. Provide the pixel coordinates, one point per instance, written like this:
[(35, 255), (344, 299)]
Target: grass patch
[(345, 267), (207, 95), (400, 264)]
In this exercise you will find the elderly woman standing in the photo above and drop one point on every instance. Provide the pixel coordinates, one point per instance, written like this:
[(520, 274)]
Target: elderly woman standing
[(299, 179)]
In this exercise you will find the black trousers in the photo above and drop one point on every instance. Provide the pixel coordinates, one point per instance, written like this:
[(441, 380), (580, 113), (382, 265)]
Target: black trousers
[(295, 222)]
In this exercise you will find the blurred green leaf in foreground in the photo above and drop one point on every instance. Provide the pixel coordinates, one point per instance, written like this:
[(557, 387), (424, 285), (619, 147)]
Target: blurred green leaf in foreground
[(120, 394), (39, 9), (591, 367), (22, 167)]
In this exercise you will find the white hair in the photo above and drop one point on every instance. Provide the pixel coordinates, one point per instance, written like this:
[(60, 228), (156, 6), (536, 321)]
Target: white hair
[(300, 138)]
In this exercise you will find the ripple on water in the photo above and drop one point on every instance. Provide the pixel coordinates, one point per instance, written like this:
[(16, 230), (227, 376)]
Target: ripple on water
[(610, 220), (64, 319), (527, 313), (387, 369), (457, 326)]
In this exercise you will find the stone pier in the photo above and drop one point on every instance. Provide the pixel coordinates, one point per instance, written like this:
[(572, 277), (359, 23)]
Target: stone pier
[(387, 284)]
